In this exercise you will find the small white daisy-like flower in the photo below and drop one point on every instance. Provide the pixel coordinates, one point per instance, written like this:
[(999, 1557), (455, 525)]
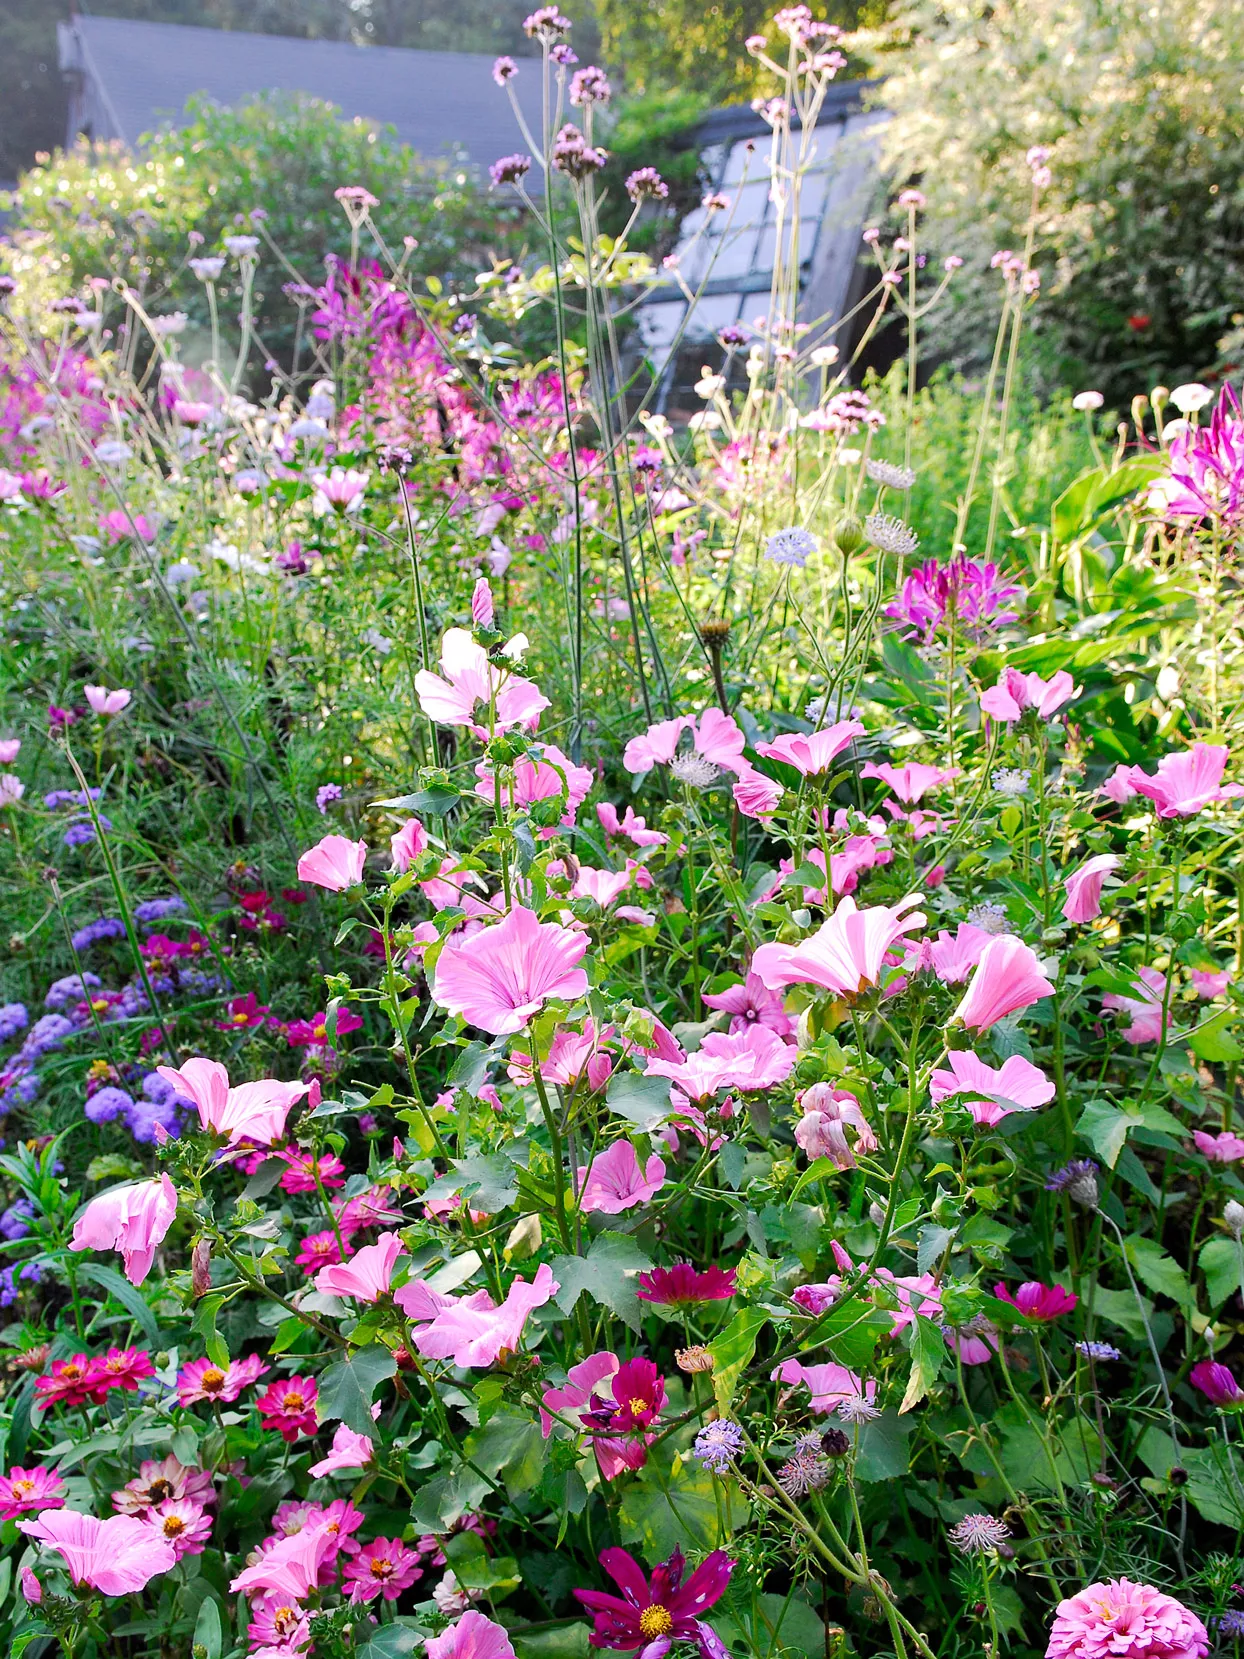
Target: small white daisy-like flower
[(791, 547), (893, 477), (890, 534), (978, 1534)]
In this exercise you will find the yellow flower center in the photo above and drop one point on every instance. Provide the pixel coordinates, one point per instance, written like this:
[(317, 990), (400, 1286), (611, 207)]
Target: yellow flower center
[(213, 1378), (380, 1568), (294, 1402), (21, 1487), (321, 1031), (637, 1406), (173, 1525), (240, 1019), (655, 1621)]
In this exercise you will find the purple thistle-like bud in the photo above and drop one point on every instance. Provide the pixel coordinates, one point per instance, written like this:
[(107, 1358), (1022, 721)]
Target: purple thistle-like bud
[(546, 22), (481, 604), (510, 169), (503, 70), (646, 185), (589, 86)]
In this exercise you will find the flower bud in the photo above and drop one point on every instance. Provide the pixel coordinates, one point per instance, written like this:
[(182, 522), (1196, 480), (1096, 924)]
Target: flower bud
[(481, 604), (1233, 1216), (201, 1267), (849, 535)]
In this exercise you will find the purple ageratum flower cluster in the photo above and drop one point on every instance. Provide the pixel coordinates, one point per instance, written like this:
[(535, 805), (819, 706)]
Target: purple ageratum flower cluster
[(59, 800), (151, 911), (325, 795), (510, 169), (964, 590), (28, 1272), (73, 988), (83, 833), (156, 1104), (13, 1018), (106, 927), (1206, 467), (15, 1222)]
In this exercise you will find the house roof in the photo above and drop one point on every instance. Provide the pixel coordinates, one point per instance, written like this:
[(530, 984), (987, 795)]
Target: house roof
[(134, 77)]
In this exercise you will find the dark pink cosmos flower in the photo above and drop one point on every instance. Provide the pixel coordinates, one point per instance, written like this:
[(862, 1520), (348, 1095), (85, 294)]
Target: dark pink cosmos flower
[(655, 1614), (680, 1284), (302, 1033), (1037, 1301), (639, 1389), (1216, 1383)]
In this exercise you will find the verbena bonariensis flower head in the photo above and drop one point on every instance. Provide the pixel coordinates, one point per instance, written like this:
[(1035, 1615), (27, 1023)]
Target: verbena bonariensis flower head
[(1038, 1301), (645, 184), (970, 594), (546, 23), (512, 169), (1124, 1620), (1216, 1382), (573, 155), (589, 86), (683, 1284), (1206, 467), (662, 1610)]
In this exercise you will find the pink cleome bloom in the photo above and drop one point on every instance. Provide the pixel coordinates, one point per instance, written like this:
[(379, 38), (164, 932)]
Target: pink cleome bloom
[(1007, 978), (502, 976), (1226, 1147), (1144, 1009), (203, 1379), (248, 1111), (385, 1567), (289, 1407), (116, 1557), (827, 1115), (26, 1491), (651, 1614), (367, 1275), (474, 683), (614, 1181), (963, 590), (1017, 1086), (1188, 781), (1037, 1301), (813, 754), (133, 1219), (473, 1637), (1123, 1620), (846, 954), (1206, 467), (1083, 902), (683, 1285), (334, 863)]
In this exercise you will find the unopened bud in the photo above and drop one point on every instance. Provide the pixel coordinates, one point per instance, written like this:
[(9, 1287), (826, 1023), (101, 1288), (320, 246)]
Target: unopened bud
[(201, 1267), (481, 604), (876, 1214), (1233, 1216), (849, 535)]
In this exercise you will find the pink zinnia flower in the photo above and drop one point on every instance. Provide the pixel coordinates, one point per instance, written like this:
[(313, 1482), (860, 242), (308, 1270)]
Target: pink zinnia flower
[(1008, 977), (1186, 782), (385, 1567), (827, 1114), (367, 1275), (1016, 692), (1084, 886), (132, 1219), (652, 1615), (122, 1368), (614, 1182), (318, 1250), (157, 1482), (499, 978), (70, 1382), (1144, 1009), (116, 1557), (23, 1491), (1017, 1086), (829, 1385), (752, 1003), (184, 1525), (1226, 1147), (912, 782), (1122, 1620), (1037, 1301), (473, 1637), (203, 1379), (682, 1285), (106, 702), (335, 863), (407, 844), (471, 1331), (846, 954), (349, 1451), (289, 1407), (813, 753), (472, 679), (1216, 1382), (248, 1111)]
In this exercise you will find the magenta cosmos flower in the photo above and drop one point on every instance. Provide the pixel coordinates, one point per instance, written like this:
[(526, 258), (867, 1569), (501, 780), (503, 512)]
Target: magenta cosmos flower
[(26, 1491), (682, 1284), (1186, 782), (475, 684), (813, 754), (132, 1219), (289, 1407), (1008, 977), (116, 1557), (203, 1379), (846, 954), (249, 1111), (367, 1275), (595, 1392), (1037, 1301), (502, 976), (1083, 902), (654, 1614), (614, 1182), (1122, 1620), (1016, 1086), (1216, 1382), (473, 1637), (335, 863)]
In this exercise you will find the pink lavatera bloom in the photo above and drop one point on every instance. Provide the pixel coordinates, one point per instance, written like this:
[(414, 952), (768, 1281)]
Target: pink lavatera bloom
[(953, 956), (117, 1557), (614, 1182), (501, 977), (1123, 1620), (474, 1636), (760, 1058), (335, 863), (1007, 978), (575, 1060), (751, 1002), (1017, 1086), (653, 1615), (247, 1111), (719, 738), (539, 780), (291, 1567), (482, 607), (827, 1115), (633, 828), (1016, 692), (349, 1450), (655, 747), (700, 1076), (474, 1336), (1037, 1301), (829, 1385), (1144, 1009), (133, 1219), (1083, 901), (473, 685), (757, 796), (105, 702), (367, 1275), (1187, 782), (912, 782), (408, 844), (1226, 1147), (602, 885), (1209, 984), (813, 753), (846, 955)]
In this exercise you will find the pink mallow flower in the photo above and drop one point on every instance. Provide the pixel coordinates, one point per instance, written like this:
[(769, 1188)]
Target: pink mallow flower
[(474, 1636), (385, 1567), (349, 1451), (1083, 902), (290, 1568), (1186, 782), (367, 1275), (813, 753), (471, 1331), (1209, 984), (1144, 1009), (335, 863), (132, 1219), (1017, 1086), (531, 779), (248, 1111), (752, 1003), (846, 954), (27, 1491), (289, 1407), (1016, 692), (1037, 1301), (912, 782), (117, 1557), (653, 1615), (1008, 977), (1123, 1620), (614, 1181), (822, 1130), (473, 682), (106, 702), (203, 1379), (409, 842), (1226, 1147), (829, 1385), (499, 978)]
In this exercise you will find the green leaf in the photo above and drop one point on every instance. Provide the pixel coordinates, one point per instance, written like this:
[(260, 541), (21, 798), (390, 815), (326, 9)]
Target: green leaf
[(488, 1183), (394, 1641), (663, 1518), (205, 1321), (769, 1625), (1160, 1272), (436, 802), (208, 1631), (1221, 1265), (1105, 1128), (851, 1333), (1213, 1040), (347, 1387), (643, 1101), (607, 1273), (121, 1290), (928, 1353), (732, 1353), (509, 1445), (883, 1444), (563, 1641)]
